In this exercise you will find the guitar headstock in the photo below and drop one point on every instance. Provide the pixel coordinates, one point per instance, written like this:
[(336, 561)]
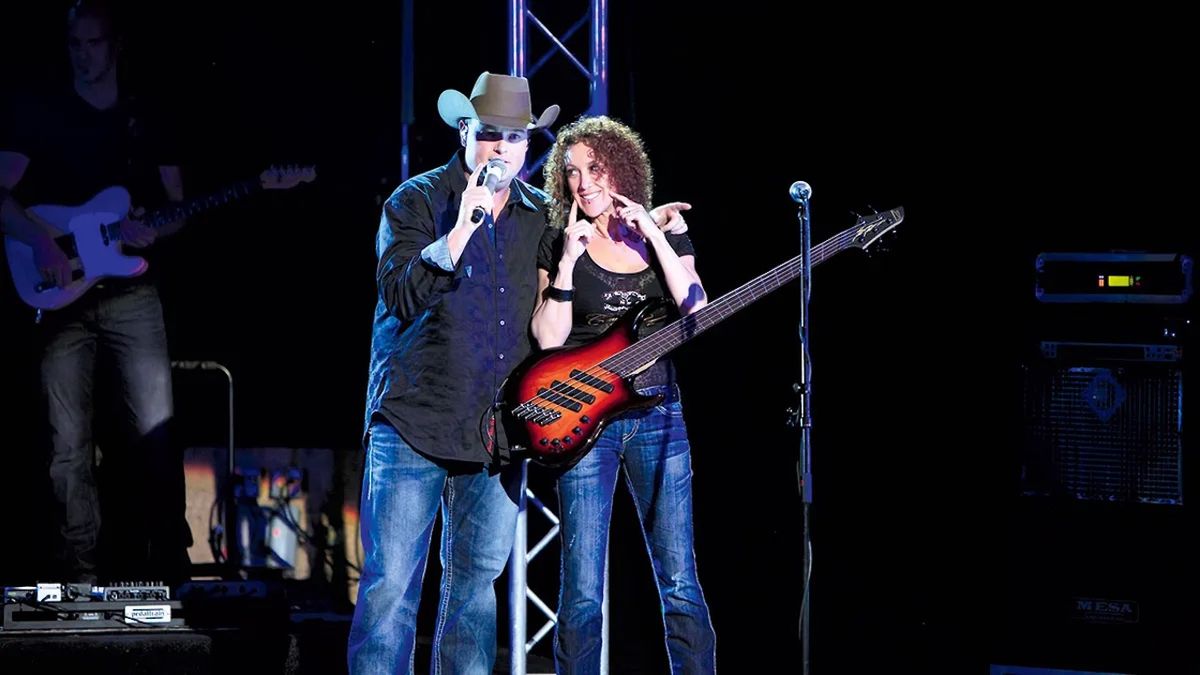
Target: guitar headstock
[(287, 177), (868, 229)]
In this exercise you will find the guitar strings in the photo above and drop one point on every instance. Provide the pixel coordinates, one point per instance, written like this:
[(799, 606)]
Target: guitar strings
[(624, 359), (722, 306)]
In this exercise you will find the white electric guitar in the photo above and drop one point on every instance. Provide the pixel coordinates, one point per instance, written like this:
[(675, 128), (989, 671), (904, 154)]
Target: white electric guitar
[(90, 235)]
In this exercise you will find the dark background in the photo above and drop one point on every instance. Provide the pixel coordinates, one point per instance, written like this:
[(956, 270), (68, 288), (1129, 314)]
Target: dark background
[(1002, 133)]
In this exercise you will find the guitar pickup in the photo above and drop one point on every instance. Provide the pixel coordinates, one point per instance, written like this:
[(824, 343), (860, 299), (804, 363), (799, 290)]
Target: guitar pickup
[(592, 381), (568, 390), (67, 243), (559, 399)]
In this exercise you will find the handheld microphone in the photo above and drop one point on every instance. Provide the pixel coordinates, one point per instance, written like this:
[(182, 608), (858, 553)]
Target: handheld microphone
[(491, 175)]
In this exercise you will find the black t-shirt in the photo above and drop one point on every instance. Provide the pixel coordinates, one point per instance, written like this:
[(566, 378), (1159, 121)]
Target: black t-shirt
[(76, 150), (603, 296)]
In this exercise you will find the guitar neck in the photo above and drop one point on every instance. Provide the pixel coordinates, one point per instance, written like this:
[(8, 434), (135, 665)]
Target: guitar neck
[(191, 207), (637, 355)]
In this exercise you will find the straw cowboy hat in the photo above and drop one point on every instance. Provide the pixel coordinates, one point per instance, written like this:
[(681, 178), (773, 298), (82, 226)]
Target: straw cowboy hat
[(499, 100)]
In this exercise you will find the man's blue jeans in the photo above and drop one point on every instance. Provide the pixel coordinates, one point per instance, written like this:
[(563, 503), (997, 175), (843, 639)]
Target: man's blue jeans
[(402, 492)]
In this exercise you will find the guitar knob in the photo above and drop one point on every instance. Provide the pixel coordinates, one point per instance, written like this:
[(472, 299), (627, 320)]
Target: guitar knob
[(556, 442), (567, 440), (544, 441), (577, 430), (585, 419)]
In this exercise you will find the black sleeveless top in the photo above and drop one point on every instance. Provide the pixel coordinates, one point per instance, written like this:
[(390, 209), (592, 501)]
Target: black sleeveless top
[(603, 296)]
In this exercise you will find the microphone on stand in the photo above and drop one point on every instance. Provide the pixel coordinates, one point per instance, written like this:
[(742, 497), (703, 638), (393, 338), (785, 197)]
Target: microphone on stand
[(800, 191)]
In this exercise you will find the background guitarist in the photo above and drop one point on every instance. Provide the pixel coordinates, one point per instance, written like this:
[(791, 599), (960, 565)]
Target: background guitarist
[(609, 257), (62, 148)]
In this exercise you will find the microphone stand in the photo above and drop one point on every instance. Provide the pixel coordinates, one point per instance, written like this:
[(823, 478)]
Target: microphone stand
[(802, 414), (229, 568)]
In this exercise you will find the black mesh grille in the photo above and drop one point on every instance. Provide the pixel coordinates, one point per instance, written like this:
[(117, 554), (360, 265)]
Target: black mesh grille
[(1105, 430)]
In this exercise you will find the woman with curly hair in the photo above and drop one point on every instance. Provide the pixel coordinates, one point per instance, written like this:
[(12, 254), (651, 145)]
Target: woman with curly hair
[(612, 255)]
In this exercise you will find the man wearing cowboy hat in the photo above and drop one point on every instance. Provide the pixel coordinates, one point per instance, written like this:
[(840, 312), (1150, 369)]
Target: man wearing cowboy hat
[(456, 277)]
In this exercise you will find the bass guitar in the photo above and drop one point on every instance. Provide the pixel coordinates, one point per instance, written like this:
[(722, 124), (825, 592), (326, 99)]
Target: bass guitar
[(556, 403)]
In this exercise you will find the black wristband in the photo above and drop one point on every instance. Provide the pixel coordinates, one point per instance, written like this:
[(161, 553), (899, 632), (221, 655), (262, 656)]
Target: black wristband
[(559, 294)]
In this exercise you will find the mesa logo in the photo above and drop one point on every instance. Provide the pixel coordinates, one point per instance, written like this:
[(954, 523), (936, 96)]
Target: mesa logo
[(1104, 610)]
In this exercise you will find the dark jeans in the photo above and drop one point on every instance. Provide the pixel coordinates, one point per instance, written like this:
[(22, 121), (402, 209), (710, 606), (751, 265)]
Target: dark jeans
[(114, 336)]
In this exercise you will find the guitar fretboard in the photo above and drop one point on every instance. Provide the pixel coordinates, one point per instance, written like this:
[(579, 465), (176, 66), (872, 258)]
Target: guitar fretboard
[(629, 360), (190, 208)]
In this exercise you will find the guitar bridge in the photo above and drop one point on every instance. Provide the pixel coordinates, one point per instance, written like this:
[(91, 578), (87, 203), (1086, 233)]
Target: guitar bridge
[(537, 414)]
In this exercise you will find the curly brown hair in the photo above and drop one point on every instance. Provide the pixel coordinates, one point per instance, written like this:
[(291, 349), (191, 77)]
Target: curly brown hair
[(619, 152)]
